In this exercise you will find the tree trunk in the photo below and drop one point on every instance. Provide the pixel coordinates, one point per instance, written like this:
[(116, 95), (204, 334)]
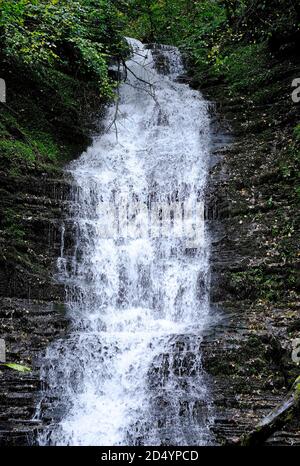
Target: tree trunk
[(288, 410)]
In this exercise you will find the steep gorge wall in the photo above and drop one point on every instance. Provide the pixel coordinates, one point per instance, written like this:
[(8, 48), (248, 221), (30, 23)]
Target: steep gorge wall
[(31, 301), (253, 210)]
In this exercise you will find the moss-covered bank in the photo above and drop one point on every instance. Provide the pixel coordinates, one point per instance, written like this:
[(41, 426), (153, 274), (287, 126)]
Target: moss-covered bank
[(255, 253)]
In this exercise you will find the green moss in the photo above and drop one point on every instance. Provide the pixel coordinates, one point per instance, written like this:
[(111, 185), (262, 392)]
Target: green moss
[(297, 132), (36, 150), (245, 67), (258, 283), (11, 226), (47, 122), (11, 149)]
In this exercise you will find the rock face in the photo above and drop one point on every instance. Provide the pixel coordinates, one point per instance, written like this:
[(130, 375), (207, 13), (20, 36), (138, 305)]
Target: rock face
[(31, 302), (252, 211)]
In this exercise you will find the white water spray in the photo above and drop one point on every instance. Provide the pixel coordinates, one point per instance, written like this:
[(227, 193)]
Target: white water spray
[(129, 372)]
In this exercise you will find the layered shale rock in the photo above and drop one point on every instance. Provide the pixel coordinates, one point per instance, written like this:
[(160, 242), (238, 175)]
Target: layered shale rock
[(31, 300), (253, 212)]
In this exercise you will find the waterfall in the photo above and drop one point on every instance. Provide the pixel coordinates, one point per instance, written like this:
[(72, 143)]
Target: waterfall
[(129, 371)]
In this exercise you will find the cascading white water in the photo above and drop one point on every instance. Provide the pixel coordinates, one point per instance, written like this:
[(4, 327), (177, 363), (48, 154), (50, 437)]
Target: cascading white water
[(129, 372)]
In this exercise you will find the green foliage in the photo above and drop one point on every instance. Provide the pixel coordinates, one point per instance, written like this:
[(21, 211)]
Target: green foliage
[(17, 367), (190, 25), (209, 31), (77, 36), (297, 132), (61, 49), (245, 67)]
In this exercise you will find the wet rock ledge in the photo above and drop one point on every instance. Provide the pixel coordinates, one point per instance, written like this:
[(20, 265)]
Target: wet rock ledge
[(31, 301), (253, 213)]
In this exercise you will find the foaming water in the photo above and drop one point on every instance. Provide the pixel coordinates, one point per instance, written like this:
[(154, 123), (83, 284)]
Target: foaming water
[(129, 372)]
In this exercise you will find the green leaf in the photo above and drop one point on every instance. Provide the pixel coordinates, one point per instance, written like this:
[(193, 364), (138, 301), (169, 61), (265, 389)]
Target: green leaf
[(17, 367)]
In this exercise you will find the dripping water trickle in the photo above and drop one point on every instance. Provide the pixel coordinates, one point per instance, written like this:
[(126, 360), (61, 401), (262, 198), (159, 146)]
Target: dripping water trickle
[(129, 371)]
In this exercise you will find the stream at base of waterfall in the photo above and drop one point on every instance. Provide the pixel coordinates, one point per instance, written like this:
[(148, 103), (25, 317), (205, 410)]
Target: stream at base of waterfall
[(136, 271)]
